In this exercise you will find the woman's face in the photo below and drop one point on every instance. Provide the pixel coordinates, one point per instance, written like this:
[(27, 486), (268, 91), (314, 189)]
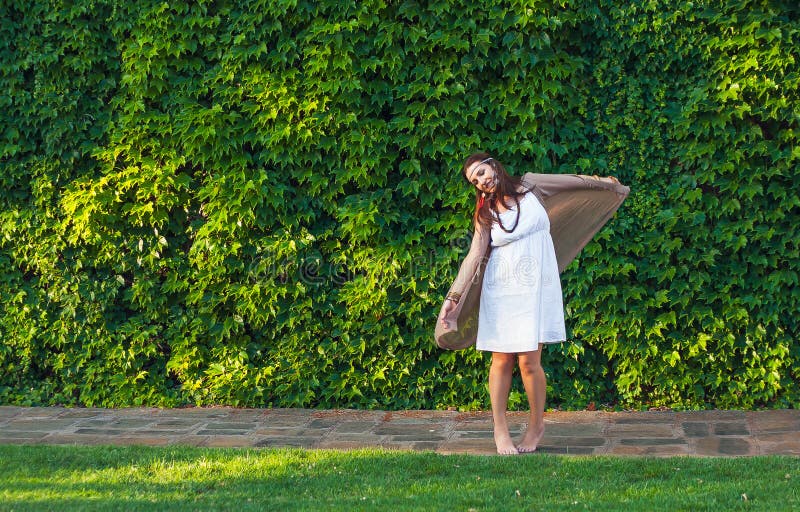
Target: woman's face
[(482, 176)]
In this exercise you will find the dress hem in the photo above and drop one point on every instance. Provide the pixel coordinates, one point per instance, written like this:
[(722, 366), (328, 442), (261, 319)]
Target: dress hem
[(534, 349)]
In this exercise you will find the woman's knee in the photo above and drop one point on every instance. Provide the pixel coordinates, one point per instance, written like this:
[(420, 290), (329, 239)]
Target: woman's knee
[(503, 361), (530, 364)]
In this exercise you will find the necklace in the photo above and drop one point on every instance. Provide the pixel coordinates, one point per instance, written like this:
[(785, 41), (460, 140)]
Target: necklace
[(500, 221)]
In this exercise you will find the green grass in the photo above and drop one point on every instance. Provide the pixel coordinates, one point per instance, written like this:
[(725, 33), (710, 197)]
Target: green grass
[(67, 478)]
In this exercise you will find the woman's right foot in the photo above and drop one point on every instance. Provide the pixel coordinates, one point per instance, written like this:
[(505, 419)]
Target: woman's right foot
[(505, 445)]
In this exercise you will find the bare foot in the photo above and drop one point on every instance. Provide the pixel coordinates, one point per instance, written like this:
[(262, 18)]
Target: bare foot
[(531, 440), (505, 446)]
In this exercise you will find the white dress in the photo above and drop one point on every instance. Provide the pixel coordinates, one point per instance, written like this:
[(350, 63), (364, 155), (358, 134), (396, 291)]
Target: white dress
[(521, 304)]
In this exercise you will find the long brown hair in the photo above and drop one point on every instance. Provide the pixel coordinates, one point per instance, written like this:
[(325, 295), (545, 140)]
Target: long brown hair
[(486, 210)]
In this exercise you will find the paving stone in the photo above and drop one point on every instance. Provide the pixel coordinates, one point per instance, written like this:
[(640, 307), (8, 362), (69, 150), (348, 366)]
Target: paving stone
[(39, 425), (785, 443), (281, 431), (323, 423), (230, 425), (226, 441), (67, 438), (735, 446), (350, 415), (574, 429), (478, 434), (130, 423), (176, 422), (362, 440), (644, 417), (777, 414), (775, 421), (640, 430), (285, 421), (296, 414), (779, 437), (7, 412), (298, 442), (164, 433), (411, 445), (355, 426), (100, 431), (651, 441), (41, 413), (87, 440), (710, 416), (667, 450), (17, 441), (95, 422), (339, 444), (476, 422), (731, 429), (724, 446), (416, 446), (245, 415), (83, 413), (192, 412), (415, 429), (776, 426), (486, 431), (581, 416), (145, 440), (548, 440), (473, 427), (563, 450), (136, 412), (695, 428), (406, 421), (224, 432), (316, 433), (426, 446), (429, 414), (190, 440), (471, 446), (23, 434), (417, 437)]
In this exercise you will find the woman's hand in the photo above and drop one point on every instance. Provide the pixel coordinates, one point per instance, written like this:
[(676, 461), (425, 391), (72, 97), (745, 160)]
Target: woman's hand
[(610, 179), (448, 306)]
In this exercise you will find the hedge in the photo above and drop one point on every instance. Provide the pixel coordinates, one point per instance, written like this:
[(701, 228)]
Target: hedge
[(259, 203)]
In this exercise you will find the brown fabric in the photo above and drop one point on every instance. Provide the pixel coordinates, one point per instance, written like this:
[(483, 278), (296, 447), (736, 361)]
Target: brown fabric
[(577, 206)]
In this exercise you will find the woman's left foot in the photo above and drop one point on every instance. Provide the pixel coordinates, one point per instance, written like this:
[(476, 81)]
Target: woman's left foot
[(531, 440)]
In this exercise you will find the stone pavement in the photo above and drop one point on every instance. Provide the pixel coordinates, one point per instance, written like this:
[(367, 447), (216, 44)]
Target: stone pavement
[(700, 433)]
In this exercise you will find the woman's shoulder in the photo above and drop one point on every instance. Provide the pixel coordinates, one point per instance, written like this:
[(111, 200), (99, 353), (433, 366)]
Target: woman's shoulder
[(529, 181), (523, 189)]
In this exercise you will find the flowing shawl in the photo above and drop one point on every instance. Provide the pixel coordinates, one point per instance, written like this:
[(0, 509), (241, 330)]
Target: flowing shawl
[(577, 206)]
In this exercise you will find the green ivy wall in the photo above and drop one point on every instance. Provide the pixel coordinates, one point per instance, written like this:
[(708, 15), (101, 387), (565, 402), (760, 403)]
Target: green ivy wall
[(258, 203)]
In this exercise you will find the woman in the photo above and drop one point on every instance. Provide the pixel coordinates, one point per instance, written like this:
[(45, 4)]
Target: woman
[(520, 305)]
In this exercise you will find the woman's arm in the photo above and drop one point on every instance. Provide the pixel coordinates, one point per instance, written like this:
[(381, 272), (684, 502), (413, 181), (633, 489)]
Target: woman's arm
[(470, 265), (578, 206), (477, 249)]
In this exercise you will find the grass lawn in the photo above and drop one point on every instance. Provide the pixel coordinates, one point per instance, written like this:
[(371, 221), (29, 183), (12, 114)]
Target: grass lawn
[(63, 478)]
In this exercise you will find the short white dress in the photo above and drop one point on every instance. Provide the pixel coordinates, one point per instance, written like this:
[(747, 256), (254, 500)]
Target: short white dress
[(521, 303)]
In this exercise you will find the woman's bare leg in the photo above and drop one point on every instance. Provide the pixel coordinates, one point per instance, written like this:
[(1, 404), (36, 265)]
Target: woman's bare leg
[(499, 387), (530, 366)]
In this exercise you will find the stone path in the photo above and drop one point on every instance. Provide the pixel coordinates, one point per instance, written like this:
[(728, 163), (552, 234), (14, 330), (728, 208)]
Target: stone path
[(700, 433)]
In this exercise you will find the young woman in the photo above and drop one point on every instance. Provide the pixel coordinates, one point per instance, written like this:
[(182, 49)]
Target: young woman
[(520, 306)]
